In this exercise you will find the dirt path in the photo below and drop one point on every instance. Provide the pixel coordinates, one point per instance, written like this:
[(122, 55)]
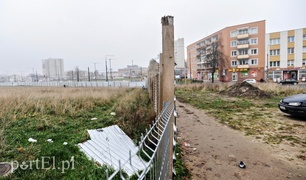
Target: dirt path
[(215, 151)]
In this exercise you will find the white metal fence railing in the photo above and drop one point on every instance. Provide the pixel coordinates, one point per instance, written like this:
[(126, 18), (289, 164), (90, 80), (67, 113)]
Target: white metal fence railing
[(153, 149), (79, 84)]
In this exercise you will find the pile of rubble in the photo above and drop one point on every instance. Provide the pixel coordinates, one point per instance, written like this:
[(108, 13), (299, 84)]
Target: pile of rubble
[(245, 89)]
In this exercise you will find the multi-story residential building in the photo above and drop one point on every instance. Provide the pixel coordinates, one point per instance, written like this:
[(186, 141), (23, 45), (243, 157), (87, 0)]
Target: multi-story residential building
[(179, 58), (133, 71), (179, 53), (53, 69), (286, 54), (243, 47)]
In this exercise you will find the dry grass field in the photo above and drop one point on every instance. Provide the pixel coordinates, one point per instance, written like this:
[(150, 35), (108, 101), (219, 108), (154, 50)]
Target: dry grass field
[(64, 115)]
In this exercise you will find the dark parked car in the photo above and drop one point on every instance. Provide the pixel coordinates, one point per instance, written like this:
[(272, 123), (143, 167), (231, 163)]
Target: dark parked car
[(288, 81), (294, 105)]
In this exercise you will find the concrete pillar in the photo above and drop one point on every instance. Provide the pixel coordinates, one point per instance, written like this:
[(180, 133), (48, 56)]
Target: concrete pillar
[(167, 75), (160, 84), (167, 58)]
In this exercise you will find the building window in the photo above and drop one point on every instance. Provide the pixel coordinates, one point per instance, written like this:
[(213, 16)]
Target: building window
[(234, 33), (243, 52), (214, 38), (254, 62), (253, 41), (233, 43), (243, 31), (290, 38), (290, 50), (234, 53), (304, 62), (304, 49), (254, 30), (274, 41), (290, 62), (244, 74), (304, 37), (253, 51), (274, 52), (274, 63), (234, 63), (244, 62), (234, 76), (243, 42)]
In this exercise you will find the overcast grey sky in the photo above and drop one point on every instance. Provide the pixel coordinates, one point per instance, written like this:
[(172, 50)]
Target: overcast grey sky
[(82, 32)]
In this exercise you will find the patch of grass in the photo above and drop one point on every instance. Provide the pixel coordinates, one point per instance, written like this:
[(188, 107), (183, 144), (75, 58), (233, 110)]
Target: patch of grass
[(63, 115), (180, 166)]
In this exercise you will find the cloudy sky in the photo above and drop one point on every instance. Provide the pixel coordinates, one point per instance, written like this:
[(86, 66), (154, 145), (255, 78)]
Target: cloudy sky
[(83, 32)]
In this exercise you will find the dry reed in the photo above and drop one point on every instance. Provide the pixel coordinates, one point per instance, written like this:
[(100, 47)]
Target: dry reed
[(20, 102)]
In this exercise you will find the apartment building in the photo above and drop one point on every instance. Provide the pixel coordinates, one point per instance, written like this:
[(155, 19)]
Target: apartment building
[(53, 69), (243, 47), (179, 58), (286, 54)]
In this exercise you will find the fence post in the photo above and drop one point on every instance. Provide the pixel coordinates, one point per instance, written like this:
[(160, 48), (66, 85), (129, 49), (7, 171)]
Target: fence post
[(167, 76)]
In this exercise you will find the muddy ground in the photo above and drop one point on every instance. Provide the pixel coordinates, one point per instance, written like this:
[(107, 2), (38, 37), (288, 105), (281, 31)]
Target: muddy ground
[(212, 150)]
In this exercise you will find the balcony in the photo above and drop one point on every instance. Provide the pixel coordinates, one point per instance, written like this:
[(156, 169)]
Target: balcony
[(243, 66), (243, 36), (244, 56), (243, 46)]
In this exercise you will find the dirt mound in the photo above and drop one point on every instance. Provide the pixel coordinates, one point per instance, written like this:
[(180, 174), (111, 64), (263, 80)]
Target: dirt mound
[(245, 89)]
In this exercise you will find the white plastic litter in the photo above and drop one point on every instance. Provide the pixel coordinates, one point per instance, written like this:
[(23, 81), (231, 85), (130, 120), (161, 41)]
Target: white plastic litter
[(50, 140), (32, 140), (65, 143), (94, 118)]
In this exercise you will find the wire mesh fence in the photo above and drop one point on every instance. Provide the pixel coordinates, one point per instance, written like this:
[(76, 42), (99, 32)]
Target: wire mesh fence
[(154, 150)]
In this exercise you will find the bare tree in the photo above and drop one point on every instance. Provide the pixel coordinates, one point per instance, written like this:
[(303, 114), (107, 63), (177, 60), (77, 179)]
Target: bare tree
[(212, 53)]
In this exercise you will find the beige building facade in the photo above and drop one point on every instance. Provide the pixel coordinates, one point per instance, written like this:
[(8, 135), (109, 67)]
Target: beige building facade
[(243, 47), (286, 55)]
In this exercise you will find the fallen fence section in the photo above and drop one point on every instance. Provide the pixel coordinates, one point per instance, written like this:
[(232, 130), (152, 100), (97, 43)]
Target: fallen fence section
[(110, 145), (149, 160)]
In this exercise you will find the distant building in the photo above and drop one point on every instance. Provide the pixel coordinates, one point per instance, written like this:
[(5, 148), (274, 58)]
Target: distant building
[(179, 58), (133, 71), (179, 53), (244, 49), (286, 56), (53, 69)]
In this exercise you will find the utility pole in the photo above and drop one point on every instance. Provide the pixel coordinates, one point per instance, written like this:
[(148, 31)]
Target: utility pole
[(106, 75), (88, 75), (95, 69), (110, 69)]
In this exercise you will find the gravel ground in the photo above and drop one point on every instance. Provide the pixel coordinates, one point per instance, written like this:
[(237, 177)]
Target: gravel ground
[(213, 151)]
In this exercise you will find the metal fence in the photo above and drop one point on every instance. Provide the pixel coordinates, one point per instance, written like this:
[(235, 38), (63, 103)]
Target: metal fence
[(154, 149), (79, 84)]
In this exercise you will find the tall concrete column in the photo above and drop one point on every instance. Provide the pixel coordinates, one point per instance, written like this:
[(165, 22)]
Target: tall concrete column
[(160, 85), (167, 75), (167, 63)]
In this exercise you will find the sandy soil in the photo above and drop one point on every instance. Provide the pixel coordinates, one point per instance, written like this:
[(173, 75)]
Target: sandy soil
[(213, 151)]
